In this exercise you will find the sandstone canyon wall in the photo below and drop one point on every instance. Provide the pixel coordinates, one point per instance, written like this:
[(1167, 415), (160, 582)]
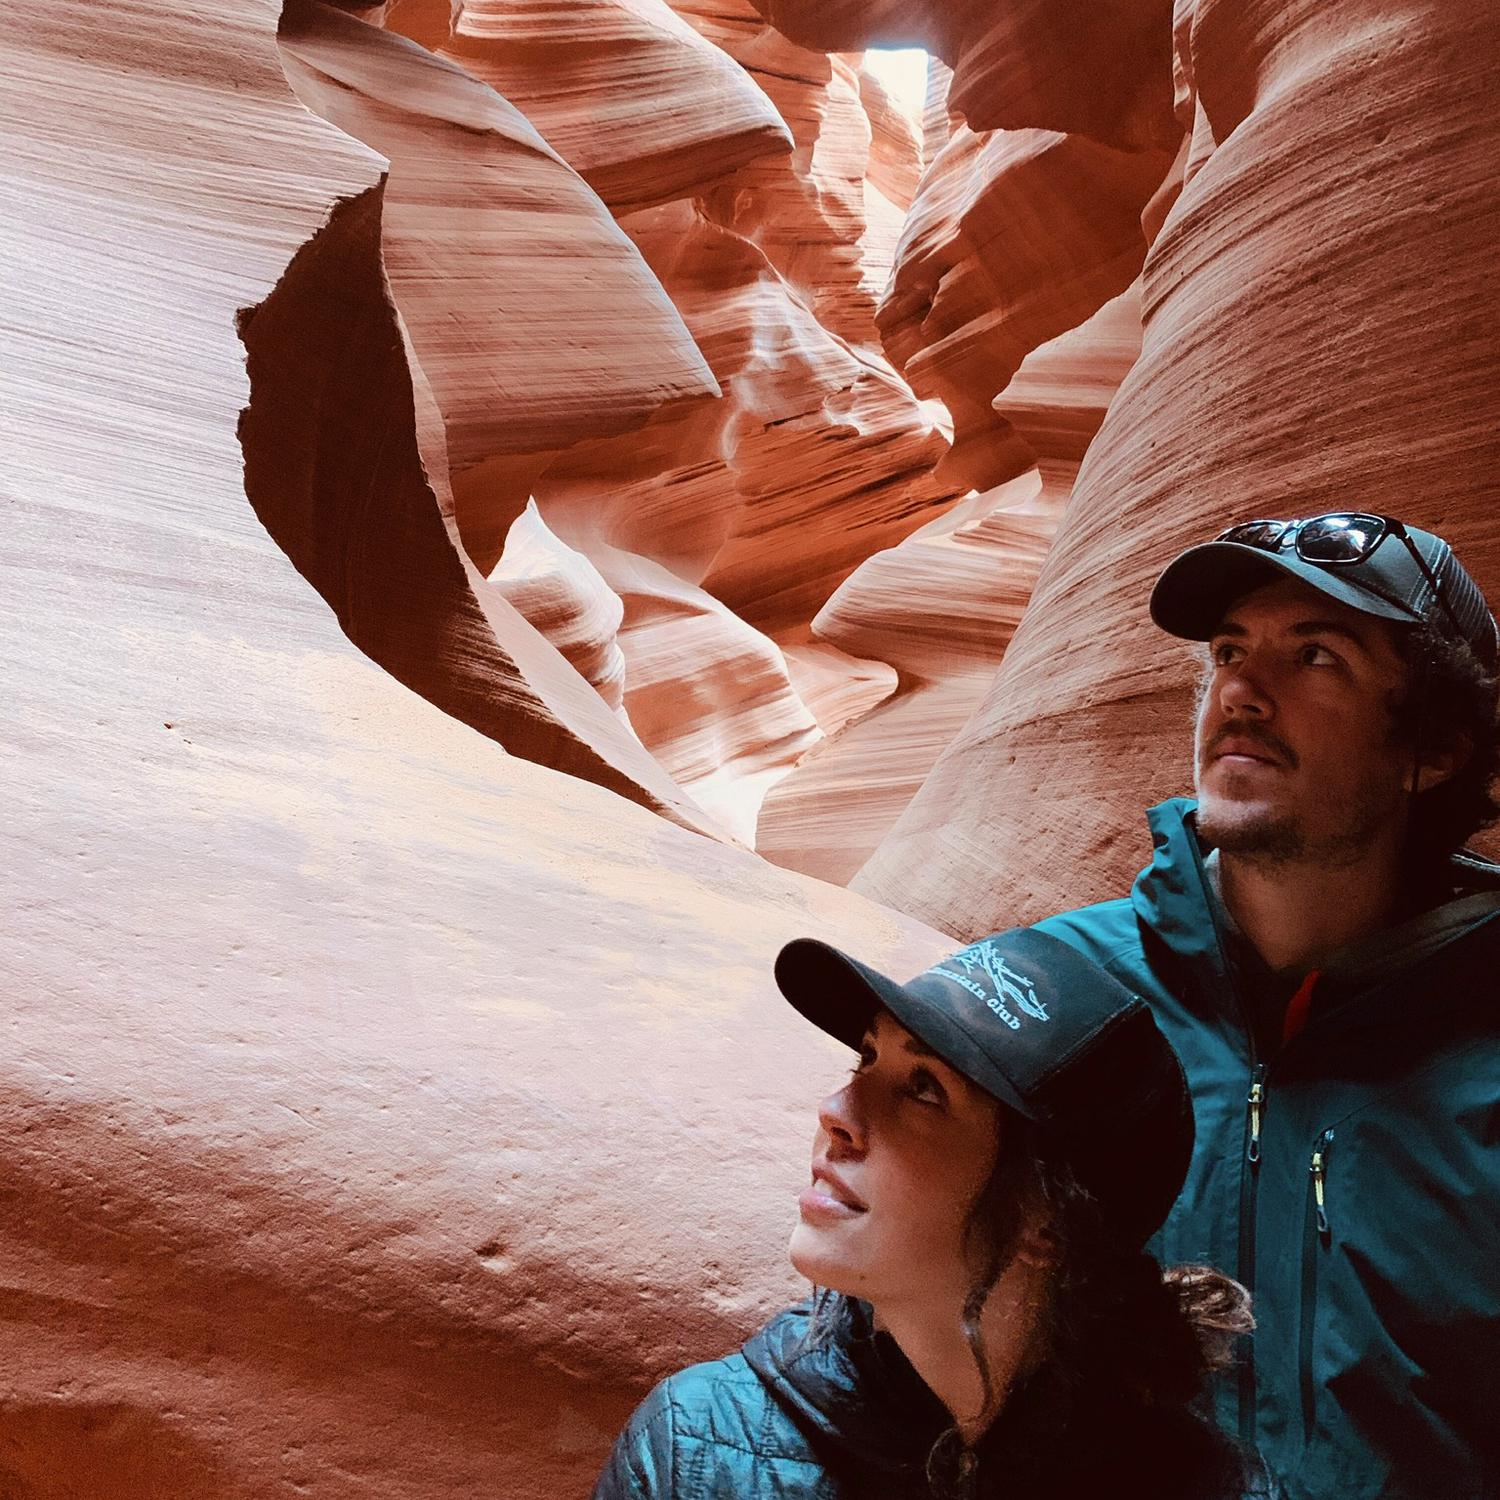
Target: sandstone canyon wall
[(379, 1109), (1319, 331), (487, 483)]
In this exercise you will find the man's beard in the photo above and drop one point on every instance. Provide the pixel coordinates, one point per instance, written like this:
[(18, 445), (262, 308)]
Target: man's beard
[(1272, 836)]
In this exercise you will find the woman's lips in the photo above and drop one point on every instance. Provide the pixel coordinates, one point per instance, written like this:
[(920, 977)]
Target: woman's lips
[(829, 1197)]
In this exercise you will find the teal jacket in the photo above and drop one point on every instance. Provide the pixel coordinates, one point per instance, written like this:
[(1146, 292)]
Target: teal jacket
[(1351, 1180)]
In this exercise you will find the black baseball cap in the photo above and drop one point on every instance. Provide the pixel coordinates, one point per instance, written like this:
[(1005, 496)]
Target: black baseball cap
[(1045, 1031), (1406, 575)]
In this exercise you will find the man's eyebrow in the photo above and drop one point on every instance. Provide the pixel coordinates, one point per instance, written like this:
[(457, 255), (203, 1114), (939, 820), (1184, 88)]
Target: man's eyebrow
[(1302, 628), (1330, 627)]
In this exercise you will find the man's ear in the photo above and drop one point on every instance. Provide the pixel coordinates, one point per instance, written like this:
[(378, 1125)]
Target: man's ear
[(1037, 1243), (1439, 766)]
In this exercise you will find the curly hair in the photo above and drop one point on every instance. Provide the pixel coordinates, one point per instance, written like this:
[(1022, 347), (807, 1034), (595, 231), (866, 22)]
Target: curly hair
[(1448, 705), (1127, 1348)]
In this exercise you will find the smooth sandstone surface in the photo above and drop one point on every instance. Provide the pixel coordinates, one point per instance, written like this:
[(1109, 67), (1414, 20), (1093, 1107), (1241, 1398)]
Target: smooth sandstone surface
[(361, 1078), (1014, 238), (1319, 332), (940, 608), (386, 1106), (641, 105), (565, 596), (818, 455)]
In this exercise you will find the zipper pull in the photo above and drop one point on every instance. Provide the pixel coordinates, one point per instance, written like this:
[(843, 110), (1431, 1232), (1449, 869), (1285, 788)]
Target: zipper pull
[(968, 1463), (1257, 1105), (1320, 1152)]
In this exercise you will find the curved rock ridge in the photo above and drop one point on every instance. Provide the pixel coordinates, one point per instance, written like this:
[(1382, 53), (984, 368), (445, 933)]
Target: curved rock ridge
[(1014, 238), (1075, 66), (709, 694), (940, 609), (564, 595), (1058, 399), (808, 212), (817, 456), (525, 353), (1288, 301), (640, 105)]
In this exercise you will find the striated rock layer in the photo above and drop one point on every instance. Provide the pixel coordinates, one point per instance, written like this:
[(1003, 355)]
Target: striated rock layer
[(525, 353), (817, 456), (1318, 332), (1014, 238), (354, 1103)]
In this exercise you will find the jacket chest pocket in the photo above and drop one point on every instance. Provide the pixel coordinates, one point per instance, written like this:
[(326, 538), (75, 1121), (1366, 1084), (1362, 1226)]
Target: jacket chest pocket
[(1398, 1270)]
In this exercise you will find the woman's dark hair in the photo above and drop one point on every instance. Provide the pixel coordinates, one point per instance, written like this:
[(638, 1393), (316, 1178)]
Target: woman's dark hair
[(1449, 704), (1125, 1348)]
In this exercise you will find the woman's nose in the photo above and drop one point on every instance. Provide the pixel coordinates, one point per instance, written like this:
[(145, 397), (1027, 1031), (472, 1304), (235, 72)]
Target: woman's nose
[(839, 1117)]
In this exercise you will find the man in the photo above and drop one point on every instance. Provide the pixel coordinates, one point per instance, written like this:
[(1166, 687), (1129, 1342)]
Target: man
[(1327, 964)]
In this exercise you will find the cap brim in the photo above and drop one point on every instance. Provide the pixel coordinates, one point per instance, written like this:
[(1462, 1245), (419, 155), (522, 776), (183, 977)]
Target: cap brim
[(1196, 589), (840, 995)]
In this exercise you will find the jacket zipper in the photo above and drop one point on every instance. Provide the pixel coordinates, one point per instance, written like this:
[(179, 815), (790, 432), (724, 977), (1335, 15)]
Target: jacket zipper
[(1315, 1239), (1249, 1181), (1244, 1369), (1257, 1105)]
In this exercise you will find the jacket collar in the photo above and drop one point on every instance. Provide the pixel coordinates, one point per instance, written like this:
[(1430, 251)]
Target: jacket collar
[(853, 1389), (1171, 897)]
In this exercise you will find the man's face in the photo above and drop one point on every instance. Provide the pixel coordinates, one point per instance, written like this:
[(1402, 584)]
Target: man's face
[(1295, 753)]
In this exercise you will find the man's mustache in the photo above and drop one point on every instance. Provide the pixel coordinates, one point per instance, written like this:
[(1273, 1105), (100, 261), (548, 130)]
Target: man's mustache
[(1253, 734)]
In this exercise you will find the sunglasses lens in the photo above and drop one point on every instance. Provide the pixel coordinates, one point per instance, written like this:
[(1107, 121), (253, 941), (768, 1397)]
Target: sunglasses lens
[(1263, 534), (1345, 537)]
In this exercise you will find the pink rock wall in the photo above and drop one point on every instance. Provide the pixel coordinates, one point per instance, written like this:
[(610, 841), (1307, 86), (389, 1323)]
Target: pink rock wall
[(1318, 333), (571, 403), (350, 1058), (1073, 66)]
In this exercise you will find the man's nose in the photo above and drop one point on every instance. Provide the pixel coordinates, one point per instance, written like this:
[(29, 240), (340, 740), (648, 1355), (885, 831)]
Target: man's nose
[(839, 1117), (1240, 692)]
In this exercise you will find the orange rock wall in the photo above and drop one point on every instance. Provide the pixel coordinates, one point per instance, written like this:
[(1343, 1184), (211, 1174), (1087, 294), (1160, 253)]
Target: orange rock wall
[(358, 1073), (476, 469), (1319, 332)]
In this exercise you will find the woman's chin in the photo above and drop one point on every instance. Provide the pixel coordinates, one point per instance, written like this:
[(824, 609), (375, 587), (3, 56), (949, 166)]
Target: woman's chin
[(814, 1258)]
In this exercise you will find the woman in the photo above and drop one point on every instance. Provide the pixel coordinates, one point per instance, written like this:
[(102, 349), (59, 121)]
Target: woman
[(988, 1323)]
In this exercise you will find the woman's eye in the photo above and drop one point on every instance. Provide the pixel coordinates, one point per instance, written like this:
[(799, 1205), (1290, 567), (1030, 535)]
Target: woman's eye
[(924, 1086), (1313, 655), (866, 1057), (1224, 653)]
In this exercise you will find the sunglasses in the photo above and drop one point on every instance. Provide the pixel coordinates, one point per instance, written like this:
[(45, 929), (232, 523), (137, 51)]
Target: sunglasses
[(1339, 539)]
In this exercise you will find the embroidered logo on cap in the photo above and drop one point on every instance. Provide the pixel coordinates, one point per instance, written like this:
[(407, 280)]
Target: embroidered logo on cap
[(988, 977)]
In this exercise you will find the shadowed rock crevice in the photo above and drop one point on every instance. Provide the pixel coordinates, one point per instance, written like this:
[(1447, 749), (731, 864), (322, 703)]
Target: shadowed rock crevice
[(333, 471)]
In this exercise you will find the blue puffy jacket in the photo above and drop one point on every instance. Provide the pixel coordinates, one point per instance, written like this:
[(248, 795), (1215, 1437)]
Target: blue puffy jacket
[(847, 1418)]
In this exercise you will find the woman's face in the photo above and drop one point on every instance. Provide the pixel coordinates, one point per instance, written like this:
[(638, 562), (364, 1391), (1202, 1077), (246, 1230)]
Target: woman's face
[(900, 1156)]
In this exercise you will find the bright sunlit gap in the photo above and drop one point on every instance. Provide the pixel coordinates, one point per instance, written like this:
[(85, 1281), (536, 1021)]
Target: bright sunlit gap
[(903, 71)]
